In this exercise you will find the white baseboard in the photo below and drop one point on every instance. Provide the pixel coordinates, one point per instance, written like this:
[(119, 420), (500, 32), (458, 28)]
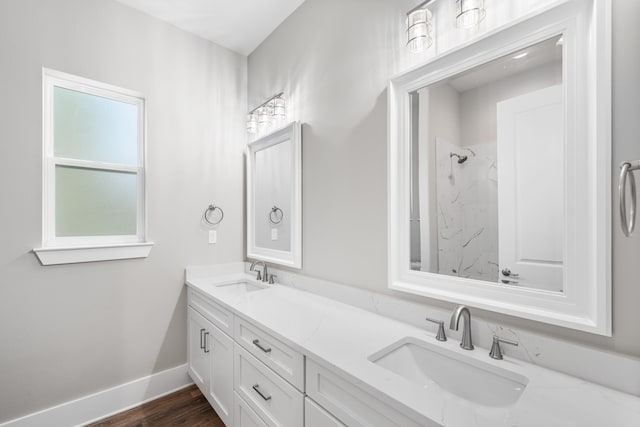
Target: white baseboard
[(107, 402)]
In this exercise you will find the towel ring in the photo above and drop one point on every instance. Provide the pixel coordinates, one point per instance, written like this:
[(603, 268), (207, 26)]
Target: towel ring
[(211, 209), (274, 216), (626, 174)]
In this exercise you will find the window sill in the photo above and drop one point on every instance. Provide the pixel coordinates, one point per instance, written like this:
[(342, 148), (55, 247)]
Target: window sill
[(73, 255)]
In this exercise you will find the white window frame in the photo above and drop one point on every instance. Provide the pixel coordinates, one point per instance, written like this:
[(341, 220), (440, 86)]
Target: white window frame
[(65, 250)]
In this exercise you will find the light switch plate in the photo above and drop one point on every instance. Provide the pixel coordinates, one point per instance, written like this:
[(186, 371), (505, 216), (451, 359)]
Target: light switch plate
[(213, 237), (274, 234)]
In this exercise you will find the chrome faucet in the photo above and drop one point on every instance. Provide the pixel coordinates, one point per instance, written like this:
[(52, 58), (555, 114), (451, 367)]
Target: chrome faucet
[(264, 276), (463, 311)]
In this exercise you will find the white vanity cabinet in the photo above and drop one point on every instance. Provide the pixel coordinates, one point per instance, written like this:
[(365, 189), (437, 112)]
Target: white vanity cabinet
[(210, 354), (253, 379)]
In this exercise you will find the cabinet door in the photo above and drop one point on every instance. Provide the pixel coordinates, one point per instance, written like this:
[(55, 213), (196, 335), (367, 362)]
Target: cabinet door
[(315, 416), (220, 386), (198, 358), (244, 415)]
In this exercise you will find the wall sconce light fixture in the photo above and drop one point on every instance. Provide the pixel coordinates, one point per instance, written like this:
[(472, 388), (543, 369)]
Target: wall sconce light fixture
[(469, 13), (262, 117), (252, 123), (279, 108), (419, 28)]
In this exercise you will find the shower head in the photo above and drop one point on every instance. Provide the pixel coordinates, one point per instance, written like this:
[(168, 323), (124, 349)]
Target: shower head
[(461, 159)]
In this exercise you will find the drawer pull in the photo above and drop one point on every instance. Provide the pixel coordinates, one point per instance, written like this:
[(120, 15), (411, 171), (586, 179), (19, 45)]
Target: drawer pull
[(256, 388), (206, 350), (201, 344), (257, 344)]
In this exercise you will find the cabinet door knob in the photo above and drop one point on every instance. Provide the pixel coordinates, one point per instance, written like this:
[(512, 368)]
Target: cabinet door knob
[(256, 388)]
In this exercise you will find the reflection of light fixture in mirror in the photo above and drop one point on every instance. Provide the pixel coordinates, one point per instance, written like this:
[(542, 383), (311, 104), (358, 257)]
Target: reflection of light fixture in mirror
[(419, 28), (263, 116), (279, 108), (469, 13), (252, 123)]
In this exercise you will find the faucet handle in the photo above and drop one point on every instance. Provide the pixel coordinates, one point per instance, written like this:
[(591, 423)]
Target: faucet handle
[(259, 274), (271, 279), (440, 336), (496, 351)]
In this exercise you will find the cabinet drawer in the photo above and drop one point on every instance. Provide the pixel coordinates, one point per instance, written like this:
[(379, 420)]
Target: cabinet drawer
[(276, 401), (315, 416), (244, 415), (285, 361), (351, 405), (217, 315)]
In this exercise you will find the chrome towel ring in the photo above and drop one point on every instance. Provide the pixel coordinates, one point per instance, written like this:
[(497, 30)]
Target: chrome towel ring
[(626, 174), (275, 215), (210, 211)]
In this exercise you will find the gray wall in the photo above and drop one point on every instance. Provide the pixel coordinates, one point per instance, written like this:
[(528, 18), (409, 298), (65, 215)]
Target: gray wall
[(478, 105), (335, 57), (68, 331)]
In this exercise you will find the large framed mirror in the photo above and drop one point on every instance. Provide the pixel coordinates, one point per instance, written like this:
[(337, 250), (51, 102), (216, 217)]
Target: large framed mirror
[(274, 231), (499, 171)]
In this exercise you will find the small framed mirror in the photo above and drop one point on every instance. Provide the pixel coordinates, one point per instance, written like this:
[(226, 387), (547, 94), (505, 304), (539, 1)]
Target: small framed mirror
[(274, 232), (499, 171)]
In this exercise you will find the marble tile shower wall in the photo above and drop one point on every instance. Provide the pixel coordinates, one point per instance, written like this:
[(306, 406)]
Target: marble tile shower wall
[(467, 220)]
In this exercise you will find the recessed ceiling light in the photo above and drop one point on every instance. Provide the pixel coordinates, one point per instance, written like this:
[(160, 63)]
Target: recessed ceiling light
[(521, 55)]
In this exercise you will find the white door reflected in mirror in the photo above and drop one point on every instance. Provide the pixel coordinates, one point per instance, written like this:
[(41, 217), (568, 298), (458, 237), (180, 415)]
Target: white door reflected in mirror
[(531, 203)]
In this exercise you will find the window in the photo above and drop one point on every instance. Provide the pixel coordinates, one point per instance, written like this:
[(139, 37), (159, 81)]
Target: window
[(93, 171)]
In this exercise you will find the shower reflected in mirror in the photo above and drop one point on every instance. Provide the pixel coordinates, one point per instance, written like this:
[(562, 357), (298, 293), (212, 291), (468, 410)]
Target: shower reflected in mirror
[(487, 171)]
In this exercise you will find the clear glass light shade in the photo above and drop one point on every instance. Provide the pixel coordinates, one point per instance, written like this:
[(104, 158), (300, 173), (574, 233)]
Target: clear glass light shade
[(265, 119), (279, 109), (264, 116), (252, 123), (469, 13), (419, 30), (269, 106)]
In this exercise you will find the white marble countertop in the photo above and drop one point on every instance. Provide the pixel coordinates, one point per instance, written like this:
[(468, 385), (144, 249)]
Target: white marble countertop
[(342, 337)]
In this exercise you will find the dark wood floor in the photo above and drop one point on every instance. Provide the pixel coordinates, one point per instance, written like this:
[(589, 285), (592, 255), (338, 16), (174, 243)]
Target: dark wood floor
[(186, 407)]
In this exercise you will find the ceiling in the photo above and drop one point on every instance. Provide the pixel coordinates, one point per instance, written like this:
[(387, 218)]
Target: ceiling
[(517, 62), (239, 25)]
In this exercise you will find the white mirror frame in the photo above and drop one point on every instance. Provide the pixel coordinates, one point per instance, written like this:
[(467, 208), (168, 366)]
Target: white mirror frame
[(585, 303), (292, 258)]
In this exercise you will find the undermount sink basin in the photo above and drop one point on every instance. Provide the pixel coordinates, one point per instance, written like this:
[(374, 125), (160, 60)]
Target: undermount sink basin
[(242, 287), (467, 378)]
